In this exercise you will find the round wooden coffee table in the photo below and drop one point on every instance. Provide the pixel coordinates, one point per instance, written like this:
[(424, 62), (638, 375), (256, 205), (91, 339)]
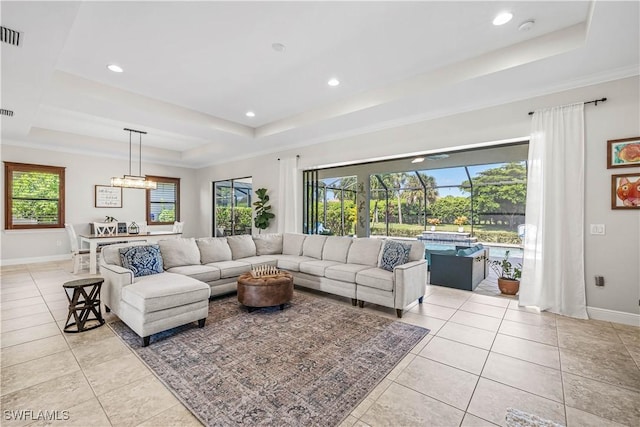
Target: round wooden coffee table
[(265, 291)]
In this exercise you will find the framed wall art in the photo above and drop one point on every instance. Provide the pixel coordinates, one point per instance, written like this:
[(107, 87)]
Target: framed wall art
[(108, 197), (623, 153), (625, 191)]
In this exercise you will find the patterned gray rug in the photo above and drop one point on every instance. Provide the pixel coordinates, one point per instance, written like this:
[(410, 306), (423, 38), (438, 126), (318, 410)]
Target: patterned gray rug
[(310, 364)]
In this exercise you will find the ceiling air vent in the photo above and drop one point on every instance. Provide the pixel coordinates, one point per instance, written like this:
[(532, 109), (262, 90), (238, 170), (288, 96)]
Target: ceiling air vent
[(10, 36), (4, 112)]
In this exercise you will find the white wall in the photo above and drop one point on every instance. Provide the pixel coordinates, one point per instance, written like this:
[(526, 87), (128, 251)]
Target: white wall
[(616, 255), (81, 174)]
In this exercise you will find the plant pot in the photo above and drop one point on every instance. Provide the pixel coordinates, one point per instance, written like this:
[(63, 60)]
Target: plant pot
[(508, 286), (433, 228), (461, 229)]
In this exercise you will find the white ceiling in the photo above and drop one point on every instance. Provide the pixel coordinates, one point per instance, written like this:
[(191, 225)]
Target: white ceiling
[(192, 69)]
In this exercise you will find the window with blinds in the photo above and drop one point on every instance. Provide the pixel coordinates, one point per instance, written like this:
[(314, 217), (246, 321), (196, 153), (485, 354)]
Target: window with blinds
[(34, 196), (163, 203)]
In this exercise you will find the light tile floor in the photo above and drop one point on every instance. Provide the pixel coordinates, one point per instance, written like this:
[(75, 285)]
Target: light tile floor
[(484, 354)]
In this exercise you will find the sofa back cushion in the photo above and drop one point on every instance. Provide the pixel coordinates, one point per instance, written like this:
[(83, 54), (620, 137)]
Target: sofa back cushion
[(179, 252), (241, 246), (143, 260), (393, 253), (312, 246), (336, 248), (364, 251), (292, 243), (268, 244), (417, 249), (213, 249)]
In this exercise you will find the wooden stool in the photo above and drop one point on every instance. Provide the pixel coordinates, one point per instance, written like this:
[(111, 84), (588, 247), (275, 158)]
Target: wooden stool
[(84, 300)]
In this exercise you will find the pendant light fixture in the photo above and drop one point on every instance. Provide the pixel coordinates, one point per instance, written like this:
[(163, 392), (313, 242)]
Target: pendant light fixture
[(134, 181)]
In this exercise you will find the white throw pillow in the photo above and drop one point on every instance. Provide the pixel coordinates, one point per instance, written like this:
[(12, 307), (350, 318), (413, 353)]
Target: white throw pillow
[(268, 244), (213, 249), (241, 246), (292, 243), (179, 252)]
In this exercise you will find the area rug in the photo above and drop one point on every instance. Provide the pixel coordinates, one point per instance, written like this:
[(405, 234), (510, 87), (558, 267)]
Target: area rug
[(309, 364)]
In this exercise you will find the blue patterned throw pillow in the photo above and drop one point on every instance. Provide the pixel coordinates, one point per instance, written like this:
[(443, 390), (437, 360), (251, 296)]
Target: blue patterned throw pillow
[(142, 260), (394, 254)]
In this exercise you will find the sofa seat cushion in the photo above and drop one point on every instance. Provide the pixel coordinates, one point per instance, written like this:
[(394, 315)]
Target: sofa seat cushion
[(375, 278), (344, 272), (205, 273), (256, 261), (291, 262), (231, 268), (317, 268), (163, 291)]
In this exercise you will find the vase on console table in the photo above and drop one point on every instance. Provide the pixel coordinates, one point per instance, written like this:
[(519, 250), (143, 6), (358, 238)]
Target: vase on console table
[(460, 229), (433, 228)]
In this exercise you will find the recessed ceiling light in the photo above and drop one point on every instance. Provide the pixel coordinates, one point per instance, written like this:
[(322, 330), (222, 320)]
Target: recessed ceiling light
[(333, 82), (278, 47), (115, 68), (418, 160), (502, 18), (250, 114)]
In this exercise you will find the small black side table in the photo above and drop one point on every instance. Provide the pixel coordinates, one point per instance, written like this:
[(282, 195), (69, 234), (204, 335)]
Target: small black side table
[(84, 300)]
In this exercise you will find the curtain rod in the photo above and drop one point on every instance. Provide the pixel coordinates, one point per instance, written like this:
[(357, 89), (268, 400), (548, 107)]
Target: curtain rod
[(595, 101)]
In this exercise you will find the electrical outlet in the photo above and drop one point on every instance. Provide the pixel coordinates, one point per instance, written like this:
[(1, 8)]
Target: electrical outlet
[(598, 229)]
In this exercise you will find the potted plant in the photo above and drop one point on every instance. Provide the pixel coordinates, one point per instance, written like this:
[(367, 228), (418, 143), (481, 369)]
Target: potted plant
[(110, 219), (263, 216), (460, 222), (433, 222), (508, 274)]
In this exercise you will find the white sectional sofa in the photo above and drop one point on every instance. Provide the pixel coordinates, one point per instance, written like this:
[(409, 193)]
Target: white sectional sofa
[(344, 266)]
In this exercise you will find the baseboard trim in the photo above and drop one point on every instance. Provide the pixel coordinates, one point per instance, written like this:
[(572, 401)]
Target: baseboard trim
[(613, 316), (33, 260)]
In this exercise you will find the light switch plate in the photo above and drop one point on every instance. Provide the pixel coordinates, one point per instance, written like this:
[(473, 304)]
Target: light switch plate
[(597, 229)]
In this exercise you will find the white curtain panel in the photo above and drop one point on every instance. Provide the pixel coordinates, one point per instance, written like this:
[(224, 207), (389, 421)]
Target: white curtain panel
[(288, 214), (553, 265)]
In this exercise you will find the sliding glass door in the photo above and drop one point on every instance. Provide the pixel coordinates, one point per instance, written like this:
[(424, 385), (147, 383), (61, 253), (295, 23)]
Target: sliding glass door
[(232, 207)]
